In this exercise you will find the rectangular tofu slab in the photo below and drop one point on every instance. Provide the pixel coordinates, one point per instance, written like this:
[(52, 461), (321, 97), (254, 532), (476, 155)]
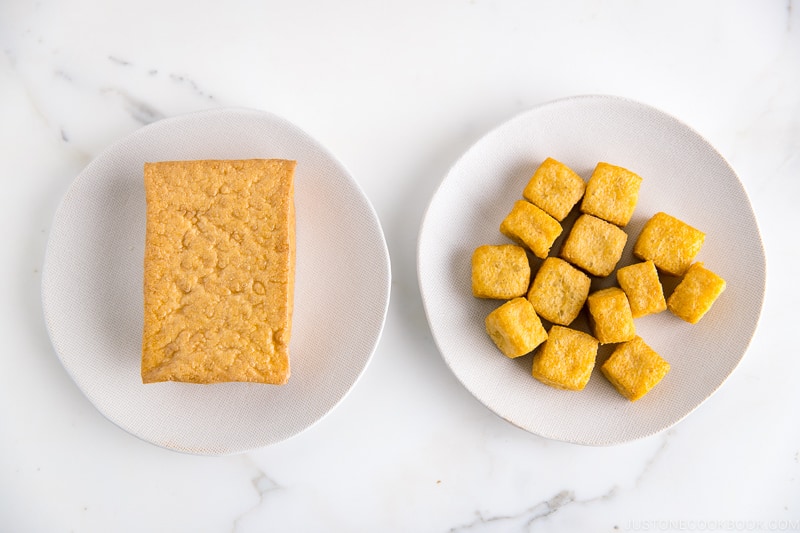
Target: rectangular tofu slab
[(218, 271)]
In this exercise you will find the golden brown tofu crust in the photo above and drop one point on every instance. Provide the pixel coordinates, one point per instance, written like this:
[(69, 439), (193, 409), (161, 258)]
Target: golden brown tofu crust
[(515, 328), (634, 368), (500, 271), (218, 271), (559, 291), (532, 227), (643, 288), (554, 188), (612, 194), (594, 245), (669, 242), (610, 315), (695, 294), (566, 359)]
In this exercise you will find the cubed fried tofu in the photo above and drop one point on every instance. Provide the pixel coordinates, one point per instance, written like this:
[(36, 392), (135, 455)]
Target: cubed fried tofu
[(559, 291), (554, 188), (594, 245), (669, 242), (500, 271), (515, 328), (643, 288), (612, 194), (610, 316), (529, 225), (566, 359), (634, 368), (695, 294)]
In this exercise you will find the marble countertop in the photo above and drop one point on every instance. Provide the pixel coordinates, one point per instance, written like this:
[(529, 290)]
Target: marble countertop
[(397, 91)]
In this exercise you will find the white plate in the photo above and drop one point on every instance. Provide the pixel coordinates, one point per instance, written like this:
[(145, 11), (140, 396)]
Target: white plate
[(683, 175), (93, 303)]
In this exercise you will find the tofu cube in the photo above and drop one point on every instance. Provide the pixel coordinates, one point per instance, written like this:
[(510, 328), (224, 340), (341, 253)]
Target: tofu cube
[(559, 291), (515, 328), (634, 368), (611, 194), (566, 359), (594, 245), (695, 294), (610, 316), (529, 225), (554, 188), (643, 288), (670, 243), (500, 271)]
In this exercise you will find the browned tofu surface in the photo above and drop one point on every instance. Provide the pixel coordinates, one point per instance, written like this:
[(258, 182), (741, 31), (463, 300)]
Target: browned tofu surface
[(218, 271), (634, 368), (566, 359), (515, 328), (612, 194), (610, 316), (554, 188), (500, 271), (669, 242), (529, 225), (594, 245), (643, 287), (695, 294), (559, 291)]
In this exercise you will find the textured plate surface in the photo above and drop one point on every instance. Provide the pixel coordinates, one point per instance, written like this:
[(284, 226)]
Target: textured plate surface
[(682, 175), (93, 303)]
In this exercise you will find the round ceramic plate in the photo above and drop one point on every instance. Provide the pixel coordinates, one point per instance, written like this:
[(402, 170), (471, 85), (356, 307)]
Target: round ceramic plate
[(682, 175), (93, 303)]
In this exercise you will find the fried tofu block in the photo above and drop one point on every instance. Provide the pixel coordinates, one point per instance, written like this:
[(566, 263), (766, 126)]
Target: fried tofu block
[(218, 271), (670, 243), (610, 316), (643, 288), (529, 225), (515, 328), (559, 291), (500, 271), (554, 188), (634, 368), (566, 359), (594, 245), (612, 194), (695, 294)]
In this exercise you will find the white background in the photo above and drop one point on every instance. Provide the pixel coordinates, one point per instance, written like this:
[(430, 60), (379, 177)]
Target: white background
[(397, 90)]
